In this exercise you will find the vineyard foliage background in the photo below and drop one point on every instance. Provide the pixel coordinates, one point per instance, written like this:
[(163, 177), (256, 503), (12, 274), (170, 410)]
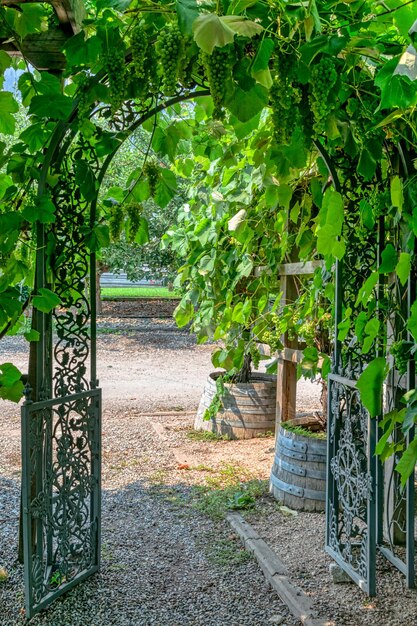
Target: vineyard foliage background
[(290, 122)]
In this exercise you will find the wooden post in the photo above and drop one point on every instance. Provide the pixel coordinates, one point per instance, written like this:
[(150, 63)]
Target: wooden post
[(290, 355), (287, 369)]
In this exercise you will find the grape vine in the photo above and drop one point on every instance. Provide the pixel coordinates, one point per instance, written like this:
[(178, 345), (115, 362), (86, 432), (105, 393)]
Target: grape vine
[(151, 171), (114, 63), (285, 96), (217, 67), (170, 47), (323, 80), (134, 212), (116, 222)]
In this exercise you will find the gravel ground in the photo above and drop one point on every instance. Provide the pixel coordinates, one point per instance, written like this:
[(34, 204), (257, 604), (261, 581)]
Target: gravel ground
[(164, 563)]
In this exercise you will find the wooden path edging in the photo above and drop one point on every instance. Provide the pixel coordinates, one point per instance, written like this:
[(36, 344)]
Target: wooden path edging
[(276, 573)]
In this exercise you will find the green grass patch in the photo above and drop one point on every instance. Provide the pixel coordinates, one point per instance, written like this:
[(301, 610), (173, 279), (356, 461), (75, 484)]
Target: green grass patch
[(138, 292), (205, 435), (230, 488), (226, 552), (305, 432)]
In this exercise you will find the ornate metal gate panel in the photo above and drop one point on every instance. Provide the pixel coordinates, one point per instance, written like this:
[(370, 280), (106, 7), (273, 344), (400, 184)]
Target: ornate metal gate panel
[(396, 504), (61, 494), (367, 509), (351, 501), (61, 418)]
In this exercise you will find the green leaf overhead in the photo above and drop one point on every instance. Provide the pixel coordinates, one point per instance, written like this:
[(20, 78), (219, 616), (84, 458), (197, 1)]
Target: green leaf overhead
[(61, 109), (210, 30), (45, 300), (370, 385)]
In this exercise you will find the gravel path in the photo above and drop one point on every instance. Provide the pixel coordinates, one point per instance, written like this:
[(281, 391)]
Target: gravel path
[(163, 562)]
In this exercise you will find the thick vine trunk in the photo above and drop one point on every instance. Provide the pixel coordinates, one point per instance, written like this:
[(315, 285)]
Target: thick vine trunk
[(243, 376)]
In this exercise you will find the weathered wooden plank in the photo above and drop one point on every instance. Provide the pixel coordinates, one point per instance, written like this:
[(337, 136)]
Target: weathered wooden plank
[(42, 50), (291, 269), (293, 355), (68, 11), (298, 269)]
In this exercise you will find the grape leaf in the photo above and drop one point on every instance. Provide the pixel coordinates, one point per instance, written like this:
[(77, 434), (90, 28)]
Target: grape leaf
[(41, 106), (370, 384), (388, 260), (8, 106), (405, 467), (209, 31), (403, 267), (46, 300)]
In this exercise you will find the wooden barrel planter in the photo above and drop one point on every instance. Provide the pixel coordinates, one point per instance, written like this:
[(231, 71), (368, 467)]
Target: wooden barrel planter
[(298, 476), (248, 408)]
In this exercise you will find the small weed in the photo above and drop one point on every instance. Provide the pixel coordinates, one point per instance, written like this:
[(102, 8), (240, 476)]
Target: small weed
[(226, 552), (202, 468), (108, 330), (305, 432), (158, 477), (206, 435), (266, 435), (216, 502), (3, 575), (125, 464)]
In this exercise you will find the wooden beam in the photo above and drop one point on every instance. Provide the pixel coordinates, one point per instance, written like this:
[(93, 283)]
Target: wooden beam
[(70, 12), (291, 269), (297, 269), (42, 50)]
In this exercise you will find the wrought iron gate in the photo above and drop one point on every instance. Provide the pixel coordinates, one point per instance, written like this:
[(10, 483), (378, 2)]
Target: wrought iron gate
[(61, 417), (61, 494), (367, 510)]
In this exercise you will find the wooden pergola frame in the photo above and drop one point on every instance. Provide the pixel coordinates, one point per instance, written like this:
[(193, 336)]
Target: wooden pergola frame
[(44, 50)]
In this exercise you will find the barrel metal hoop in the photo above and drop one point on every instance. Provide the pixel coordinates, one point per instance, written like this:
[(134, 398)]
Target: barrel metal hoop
[(300, 471), (289, 443), (292, 454), (310, 494), (243, 424)]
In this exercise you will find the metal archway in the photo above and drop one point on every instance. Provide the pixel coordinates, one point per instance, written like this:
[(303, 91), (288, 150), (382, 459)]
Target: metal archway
[(61, 415)]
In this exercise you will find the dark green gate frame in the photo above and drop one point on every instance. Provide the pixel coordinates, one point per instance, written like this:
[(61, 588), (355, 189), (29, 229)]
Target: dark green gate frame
[(367, 511), (61, 417)]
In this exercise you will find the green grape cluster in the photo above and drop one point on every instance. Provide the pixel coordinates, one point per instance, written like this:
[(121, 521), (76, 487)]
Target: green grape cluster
[(151, 171), (306, 117), (380, 203), (402, 353), (114, 64), (323, 80), (170, 47), (140, 48), (134, 212), (271, 339), (83, 105), (363, 117), (285, 96), (217, 67), (116, 222)]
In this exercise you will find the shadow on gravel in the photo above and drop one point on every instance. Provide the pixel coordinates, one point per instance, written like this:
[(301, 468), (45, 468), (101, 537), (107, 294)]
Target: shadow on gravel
[(163, 564)]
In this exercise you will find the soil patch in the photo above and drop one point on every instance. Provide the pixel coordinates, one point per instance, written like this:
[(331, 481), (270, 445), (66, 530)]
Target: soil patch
[(139, 307)]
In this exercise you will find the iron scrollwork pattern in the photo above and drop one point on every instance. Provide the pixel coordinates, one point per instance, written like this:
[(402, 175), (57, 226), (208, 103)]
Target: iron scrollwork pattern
[(61, 494), (350, 533)]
